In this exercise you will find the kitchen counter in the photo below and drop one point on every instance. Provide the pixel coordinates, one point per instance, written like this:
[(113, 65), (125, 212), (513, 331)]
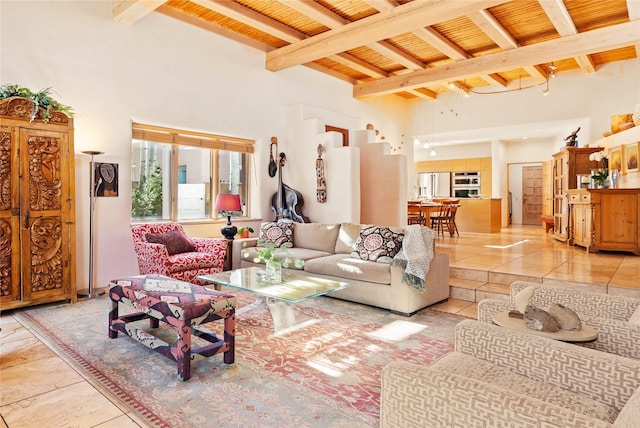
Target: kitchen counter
[(482, 215)]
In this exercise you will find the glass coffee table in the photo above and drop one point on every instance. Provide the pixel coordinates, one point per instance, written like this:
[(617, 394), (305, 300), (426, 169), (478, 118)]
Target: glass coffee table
[(277, 297)]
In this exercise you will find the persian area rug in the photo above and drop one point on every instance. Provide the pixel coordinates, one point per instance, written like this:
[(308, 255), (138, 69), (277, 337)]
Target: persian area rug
[(322, 371)]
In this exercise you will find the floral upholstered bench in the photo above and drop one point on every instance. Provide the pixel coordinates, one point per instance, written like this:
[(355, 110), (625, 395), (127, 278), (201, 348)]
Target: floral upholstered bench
[(180, 304)]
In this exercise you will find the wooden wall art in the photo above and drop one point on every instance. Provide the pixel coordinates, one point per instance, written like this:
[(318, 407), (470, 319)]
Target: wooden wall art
[(321, 191)]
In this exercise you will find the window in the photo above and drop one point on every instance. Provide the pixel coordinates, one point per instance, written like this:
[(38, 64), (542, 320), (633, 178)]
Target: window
[(172, 170)]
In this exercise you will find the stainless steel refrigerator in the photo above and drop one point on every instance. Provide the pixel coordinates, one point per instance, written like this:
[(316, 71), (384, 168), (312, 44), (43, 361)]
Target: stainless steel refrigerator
[(434, 184)]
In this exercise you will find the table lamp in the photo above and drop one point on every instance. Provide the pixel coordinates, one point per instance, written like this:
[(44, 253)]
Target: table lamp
[(225, 203)]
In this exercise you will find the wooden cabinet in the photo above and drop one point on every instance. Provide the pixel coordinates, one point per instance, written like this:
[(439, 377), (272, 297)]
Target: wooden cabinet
[(37, 206), (580, 217), (566, 165), (616, 225)]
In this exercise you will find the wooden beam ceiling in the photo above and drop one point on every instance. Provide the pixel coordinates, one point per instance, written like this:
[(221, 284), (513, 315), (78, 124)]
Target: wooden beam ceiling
[(414, 48), (385, 24), (607, 38)]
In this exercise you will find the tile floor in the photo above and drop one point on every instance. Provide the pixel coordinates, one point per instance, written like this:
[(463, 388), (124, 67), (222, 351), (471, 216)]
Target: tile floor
[(38, 387)]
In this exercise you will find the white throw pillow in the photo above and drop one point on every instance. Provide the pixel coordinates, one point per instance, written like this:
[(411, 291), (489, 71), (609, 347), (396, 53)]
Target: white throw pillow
[(522, 298)]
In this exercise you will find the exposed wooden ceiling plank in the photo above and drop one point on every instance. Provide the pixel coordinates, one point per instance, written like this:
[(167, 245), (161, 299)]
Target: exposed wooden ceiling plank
[(383, 25), (330, 19), (606, 38), (561, 19), (382, 4), (331, 72), (131, 11), (316, 12), (424, 94), (359, 65), (390, 51), (435, 39), (496, 32), (633, 7), (213, 28), (492, 28), (494, 79), (252, 18)]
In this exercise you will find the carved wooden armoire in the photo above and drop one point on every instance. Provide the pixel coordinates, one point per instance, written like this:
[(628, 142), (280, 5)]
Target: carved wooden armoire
[(37, 206)]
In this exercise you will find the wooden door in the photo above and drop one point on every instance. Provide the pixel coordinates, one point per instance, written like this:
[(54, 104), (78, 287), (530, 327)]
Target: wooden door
[(9, 218), (531, 194), (45, 214)]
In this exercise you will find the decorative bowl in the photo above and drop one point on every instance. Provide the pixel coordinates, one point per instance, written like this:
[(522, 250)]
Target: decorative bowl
[(619, 119)]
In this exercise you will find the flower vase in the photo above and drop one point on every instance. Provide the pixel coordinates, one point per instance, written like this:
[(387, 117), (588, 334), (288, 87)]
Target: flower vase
[(614, 176), (273, 271)]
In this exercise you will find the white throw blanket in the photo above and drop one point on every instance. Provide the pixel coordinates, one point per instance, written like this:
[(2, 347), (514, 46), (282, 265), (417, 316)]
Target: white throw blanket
[(415, 255)]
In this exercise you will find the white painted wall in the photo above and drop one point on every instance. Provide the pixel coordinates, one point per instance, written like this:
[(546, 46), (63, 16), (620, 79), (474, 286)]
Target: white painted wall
[(160, 71)]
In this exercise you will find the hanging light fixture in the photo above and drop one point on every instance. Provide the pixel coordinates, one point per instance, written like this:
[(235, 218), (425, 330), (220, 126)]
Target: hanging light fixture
[(552, 75), (433, 152)]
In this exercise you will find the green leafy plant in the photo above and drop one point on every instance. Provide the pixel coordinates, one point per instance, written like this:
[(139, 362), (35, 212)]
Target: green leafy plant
[(41, 98), (268, 252), (602, 174), (146, 197), (242, 229)]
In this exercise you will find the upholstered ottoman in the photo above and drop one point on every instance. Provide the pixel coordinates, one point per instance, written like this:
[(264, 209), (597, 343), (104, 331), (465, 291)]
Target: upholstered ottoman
[(180, 304)]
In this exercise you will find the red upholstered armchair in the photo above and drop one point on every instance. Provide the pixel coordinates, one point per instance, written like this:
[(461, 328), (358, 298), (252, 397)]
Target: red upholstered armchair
[(165, 249)]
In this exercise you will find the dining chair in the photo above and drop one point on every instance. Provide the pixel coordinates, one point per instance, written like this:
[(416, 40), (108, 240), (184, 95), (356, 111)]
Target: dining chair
[(440, 219), (454, 204), (414, 213)]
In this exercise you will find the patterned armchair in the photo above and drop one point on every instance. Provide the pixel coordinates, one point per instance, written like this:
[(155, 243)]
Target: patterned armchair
[(164, 248), (609, 314), (499, 377)]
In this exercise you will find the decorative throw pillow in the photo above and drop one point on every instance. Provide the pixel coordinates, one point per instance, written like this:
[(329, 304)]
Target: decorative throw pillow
[(521, 299), (175, 241), (378, 243), (278, 233)]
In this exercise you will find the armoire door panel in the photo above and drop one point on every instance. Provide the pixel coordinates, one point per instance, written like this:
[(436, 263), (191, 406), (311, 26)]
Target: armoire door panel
[(37, 206)]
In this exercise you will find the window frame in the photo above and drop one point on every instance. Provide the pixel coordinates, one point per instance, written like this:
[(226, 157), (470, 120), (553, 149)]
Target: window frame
[(177, 138)]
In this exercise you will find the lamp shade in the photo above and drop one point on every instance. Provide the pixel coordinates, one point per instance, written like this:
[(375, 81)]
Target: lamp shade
[(227, 202)]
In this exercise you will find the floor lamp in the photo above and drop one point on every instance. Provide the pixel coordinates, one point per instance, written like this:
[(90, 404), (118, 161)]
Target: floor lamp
[(90, 292)]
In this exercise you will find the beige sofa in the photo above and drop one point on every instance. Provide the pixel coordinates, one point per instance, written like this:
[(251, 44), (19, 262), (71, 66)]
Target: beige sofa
[(610, 315), (326, 250), (499, 377)]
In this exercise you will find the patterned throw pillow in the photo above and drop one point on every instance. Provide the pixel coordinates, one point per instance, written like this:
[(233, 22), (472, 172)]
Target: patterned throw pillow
[(278, 233), (379, 244), (175, 241)]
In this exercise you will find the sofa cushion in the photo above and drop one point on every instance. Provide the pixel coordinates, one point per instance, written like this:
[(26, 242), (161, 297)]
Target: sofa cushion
[(635, 317), (279, 233), (347, 237), (347, 267), (378, 243), (630, 413), (489, 373), (175, 241), (315, 236)]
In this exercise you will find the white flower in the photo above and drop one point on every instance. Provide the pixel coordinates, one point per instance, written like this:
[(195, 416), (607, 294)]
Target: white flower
[(598, 156)]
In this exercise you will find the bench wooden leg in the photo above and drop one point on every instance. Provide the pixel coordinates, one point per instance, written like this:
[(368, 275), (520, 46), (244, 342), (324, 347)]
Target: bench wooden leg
[(113, 316), (230, 338), (183, 350)]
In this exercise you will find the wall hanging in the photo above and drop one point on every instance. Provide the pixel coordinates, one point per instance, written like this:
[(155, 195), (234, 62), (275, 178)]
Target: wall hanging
[(321, 191)]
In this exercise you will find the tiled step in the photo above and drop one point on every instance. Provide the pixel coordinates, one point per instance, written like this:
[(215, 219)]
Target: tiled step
[(473, 285)]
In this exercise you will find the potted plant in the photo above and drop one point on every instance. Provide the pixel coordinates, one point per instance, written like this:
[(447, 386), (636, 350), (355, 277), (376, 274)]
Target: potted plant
[(41, 99), (243, 232)]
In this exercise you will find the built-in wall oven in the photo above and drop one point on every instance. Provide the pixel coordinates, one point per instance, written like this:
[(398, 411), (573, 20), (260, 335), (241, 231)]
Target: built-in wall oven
[(466, 179), (466, 192), (465, 184)]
